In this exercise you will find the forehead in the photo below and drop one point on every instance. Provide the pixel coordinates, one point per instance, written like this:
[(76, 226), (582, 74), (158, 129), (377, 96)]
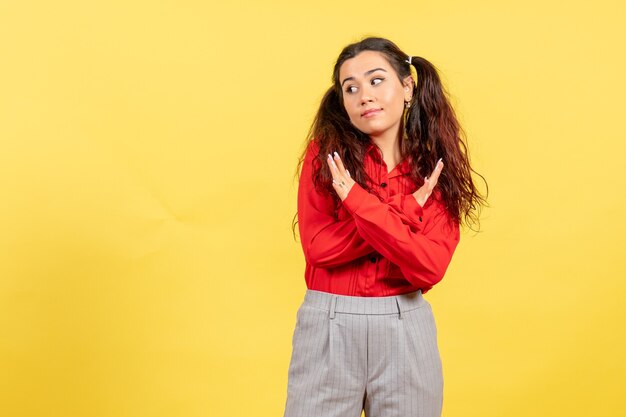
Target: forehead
[(364, 61)]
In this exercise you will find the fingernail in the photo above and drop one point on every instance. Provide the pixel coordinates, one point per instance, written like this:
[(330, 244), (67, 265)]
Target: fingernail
[(336, 154)]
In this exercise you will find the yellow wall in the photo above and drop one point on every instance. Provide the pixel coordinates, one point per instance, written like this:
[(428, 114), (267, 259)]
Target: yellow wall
[(147, 152)]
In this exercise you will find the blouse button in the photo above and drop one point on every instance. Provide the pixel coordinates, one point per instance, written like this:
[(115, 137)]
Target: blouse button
[(384, 184), (373, 259), (420, 218)]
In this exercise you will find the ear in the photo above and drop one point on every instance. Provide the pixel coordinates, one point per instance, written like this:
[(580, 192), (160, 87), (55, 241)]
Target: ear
[(409, 85)]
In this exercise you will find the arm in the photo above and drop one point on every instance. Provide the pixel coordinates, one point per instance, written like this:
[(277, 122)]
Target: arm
[(422, 249), (326, 241), (409, 210)]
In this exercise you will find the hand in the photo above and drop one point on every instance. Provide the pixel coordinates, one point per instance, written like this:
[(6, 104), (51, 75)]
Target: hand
[(342, 182), (422, 194)]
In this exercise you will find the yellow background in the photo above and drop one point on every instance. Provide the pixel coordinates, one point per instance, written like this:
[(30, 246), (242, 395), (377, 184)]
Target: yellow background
[(147, 154)]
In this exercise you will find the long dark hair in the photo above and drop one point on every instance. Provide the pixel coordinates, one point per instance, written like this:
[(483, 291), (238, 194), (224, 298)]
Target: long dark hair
[(430, 131)]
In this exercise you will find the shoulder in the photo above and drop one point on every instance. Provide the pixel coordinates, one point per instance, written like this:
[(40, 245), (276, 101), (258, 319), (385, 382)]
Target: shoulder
[(310, 161), (311, 166), (438, 208), (312, 150), (435, 206), (435, 201)]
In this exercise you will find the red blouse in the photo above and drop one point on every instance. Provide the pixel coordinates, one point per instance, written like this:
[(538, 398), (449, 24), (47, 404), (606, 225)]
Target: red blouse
[(370, 247)]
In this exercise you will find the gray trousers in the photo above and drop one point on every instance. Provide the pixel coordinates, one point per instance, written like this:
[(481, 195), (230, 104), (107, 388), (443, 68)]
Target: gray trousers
[(377, 354)]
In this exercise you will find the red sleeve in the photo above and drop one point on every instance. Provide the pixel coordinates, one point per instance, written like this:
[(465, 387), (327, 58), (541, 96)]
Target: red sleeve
[(326, 241), (417, 239)]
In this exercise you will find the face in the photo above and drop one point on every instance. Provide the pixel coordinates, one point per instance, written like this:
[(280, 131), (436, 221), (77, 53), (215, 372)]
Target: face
[(373, 96)]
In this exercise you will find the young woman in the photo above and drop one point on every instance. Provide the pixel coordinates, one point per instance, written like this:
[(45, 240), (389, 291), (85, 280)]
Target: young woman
[(384, 187)]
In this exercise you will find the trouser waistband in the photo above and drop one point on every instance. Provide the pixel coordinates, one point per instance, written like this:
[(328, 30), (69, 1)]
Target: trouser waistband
[(336, 303)]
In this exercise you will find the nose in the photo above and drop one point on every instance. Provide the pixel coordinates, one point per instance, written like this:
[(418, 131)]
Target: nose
[(366, 96)]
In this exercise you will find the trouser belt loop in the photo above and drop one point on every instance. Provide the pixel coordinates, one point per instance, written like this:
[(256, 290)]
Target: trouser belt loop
[(333, 304), (399, 308)]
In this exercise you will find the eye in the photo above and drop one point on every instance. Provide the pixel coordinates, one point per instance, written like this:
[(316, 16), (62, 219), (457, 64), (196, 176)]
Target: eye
[(380, 80), (350, 89)]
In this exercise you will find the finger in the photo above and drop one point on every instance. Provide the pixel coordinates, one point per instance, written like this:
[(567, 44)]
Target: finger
[(435, 174), (334, 171), (438, 166), (339, 163), (337, 171), (339, 189), (340, 182), (344, 174)]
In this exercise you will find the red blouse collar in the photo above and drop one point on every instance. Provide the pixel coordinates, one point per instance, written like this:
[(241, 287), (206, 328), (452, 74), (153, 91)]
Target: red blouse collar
[(402, 168)]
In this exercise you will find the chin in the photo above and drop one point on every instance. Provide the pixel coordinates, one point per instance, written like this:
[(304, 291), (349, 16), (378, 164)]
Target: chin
[(369, 129), (375, 132)]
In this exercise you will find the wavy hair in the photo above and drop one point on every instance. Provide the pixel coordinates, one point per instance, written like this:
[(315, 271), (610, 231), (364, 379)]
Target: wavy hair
[(430, 130)]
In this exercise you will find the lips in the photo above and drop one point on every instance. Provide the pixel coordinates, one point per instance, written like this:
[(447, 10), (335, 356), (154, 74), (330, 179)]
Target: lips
[(370, 112)]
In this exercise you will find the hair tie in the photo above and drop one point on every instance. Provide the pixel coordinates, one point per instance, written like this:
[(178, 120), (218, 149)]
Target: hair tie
[(409, 60)]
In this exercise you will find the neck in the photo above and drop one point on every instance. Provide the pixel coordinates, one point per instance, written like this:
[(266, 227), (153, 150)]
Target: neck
[(390, 147)]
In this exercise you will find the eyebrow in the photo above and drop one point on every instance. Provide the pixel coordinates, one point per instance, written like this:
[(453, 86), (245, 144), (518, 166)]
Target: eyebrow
[(366, 74)]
